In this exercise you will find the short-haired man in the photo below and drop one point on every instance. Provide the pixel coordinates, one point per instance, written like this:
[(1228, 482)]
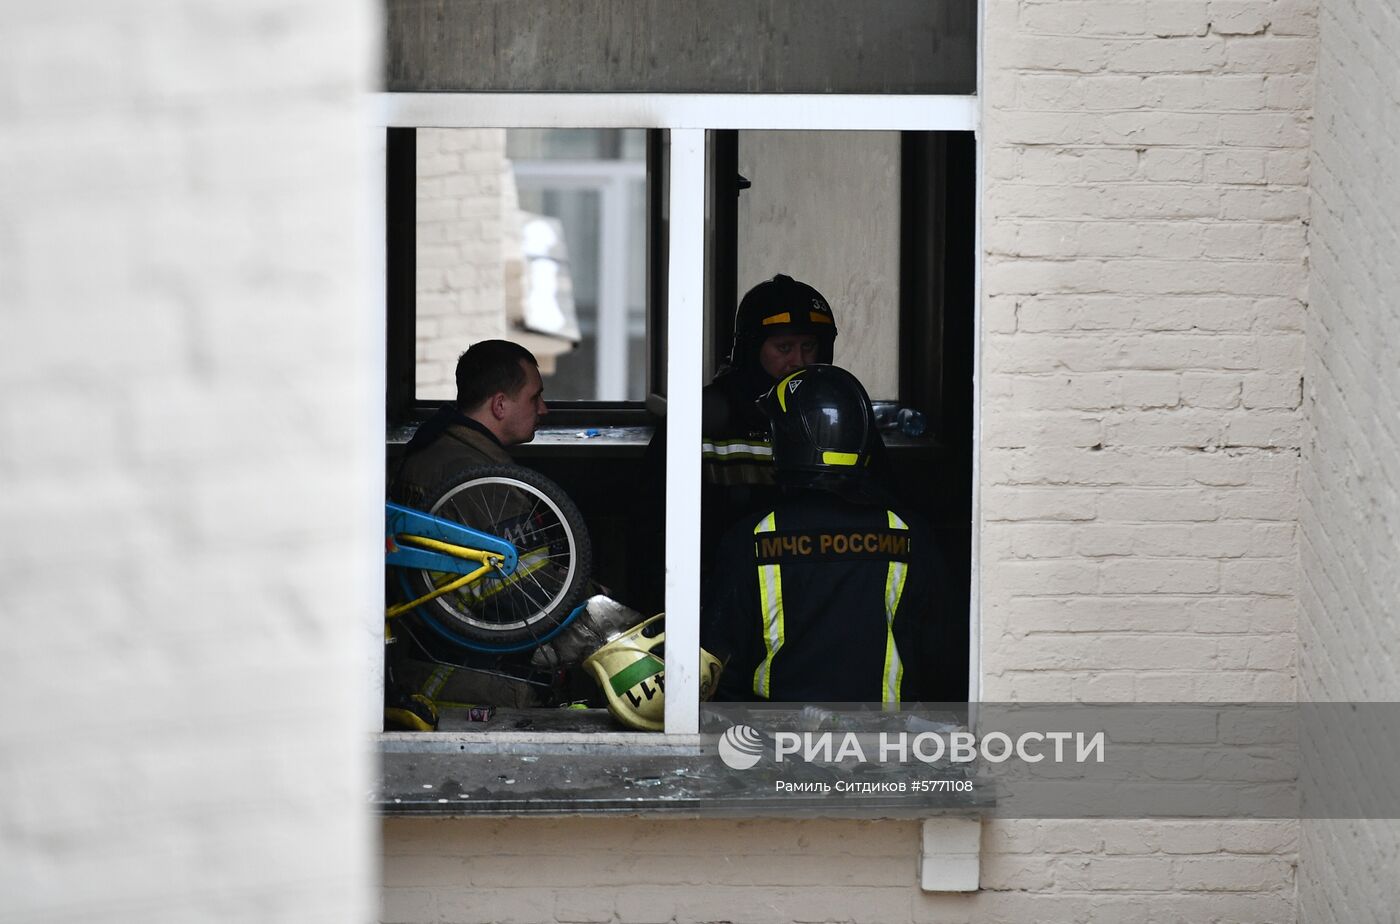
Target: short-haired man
[(500, 400)]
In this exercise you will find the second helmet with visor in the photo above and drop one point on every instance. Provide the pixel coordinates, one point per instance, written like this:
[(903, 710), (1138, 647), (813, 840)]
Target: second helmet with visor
[(822, 425)]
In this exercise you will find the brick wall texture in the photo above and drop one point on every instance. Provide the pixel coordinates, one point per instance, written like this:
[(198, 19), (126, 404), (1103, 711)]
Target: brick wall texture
[(643, 871), (465, 213), (1144, 302), (1144, 279), (1177, 410), (1349, 523), (186, 385)]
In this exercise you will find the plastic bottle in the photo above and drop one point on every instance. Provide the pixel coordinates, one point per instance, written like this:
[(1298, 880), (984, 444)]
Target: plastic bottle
[(911, 422)]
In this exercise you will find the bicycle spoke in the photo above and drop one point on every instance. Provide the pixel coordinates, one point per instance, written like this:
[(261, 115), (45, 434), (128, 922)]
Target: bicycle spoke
[(485, 521), (523, 590), (529, 601), (548, 596), (501, 511), (530, 539)]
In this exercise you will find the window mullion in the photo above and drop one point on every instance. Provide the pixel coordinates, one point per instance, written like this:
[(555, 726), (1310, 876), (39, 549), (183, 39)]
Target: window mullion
[(685, 335), (612, 358)]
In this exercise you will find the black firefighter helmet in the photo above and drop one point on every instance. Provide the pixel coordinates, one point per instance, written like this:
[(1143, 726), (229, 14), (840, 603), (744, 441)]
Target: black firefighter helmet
[(822, 425), (781, 305)]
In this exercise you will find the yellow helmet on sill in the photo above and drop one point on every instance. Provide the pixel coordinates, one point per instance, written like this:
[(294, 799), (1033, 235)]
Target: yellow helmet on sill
[(631, 669)]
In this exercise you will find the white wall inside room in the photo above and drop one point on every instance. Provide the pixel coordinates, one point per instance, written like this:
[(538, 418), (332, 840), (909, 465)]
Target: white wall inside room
[(824, 209)]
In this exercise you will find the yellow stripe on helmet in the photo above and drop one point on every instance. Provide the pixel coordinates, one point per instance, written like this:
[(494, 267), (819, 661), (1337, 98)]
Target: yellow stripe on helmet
[(782, 391)]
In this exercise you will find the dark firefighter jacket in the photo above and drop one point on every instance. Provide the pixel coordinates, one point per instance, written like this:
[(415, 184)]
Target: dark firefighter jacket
[(817, 600), (736, 455), (444, 445)]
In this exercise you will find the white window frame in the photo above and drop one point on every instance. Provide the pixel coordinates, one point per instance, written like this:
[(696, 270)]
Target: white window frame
[(688, 117)]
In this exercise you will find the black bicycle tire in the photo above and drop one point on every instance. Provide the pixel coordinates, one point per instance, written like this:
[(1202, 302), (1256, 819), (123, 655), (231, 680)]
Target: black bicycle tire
[(536, 625)]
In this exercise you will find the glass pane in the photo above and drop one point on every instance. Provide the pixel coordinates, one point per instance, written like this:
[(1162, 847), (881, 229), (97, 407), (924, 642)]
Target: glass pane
[(576, 144), (637, 286), (536, 236)]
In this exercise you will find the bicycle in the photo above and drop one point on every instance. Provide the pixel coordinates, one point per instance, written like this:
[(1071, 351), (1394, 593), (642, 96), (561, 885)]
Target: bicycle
[(497, 563)]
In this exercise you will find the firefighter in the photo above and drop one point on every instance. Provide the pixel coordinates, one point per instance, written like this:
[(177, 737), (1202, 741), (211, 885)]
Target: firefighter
[(781, 326), (816, 598)]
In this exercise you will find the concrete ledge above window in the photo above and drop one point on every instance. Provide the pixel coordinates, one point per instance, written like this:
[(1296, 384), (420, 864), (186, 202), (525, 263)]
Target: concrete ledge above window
[(703, 46)]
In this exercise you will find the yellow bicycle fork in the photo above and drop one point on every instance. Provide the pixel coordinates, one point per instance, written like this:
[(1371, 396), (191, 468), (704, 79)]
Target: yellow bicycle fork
[(488, 562)]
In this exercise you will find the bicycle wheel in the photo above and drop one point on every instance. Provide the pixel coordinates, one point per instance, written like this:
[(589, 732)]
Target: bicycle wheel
[(550, 578)]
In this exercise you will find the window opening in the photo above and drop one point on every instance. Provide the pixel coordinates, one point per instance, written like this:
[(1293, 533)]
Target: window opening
[(536, 236), (548, 180), (880, 223)]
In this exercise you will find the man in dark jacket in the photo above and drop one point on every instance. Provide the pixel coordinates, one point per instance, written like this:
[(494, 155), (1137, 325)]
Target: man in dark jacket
[(500, 400), (781, 326), (499, 404), (818, 597)]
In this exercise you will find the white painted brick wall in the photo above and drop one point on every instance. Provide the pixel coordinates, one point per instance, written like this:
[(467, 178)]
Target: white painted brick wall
[(1145, 285), (176, 262), (1350, 511), (466, 194), (1144, 292), (185, 379), (653, 871)]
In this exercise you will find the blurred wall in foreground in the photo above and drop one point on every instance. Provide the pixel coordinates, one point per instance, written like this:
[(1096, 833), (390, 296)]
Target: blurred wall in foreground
[(187, 372)]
